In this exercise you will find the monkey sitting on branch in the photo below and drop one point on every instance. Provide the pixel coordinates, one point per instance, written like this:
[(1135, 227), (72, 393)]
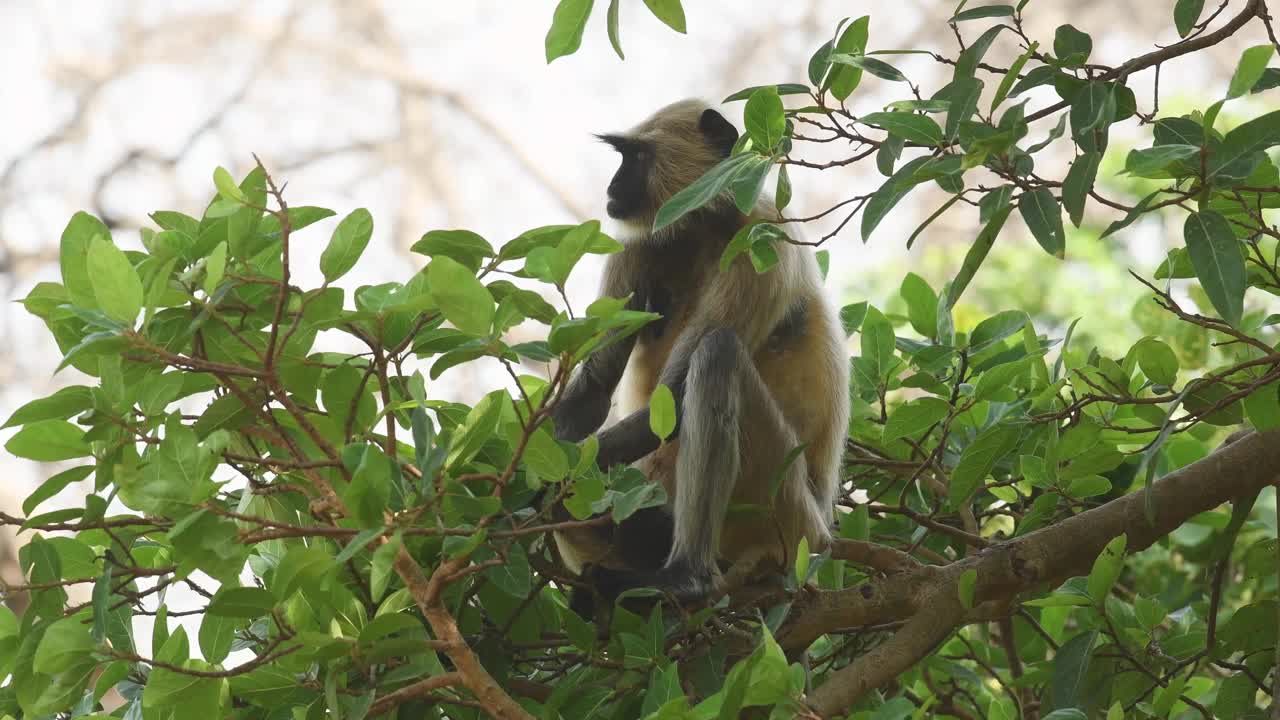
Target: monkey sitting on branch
[(755, 361)]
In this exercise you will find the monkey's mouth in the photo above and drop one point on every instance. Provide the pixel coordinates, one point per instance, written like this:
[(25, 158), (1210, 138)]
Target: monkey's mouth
[(615, 209)]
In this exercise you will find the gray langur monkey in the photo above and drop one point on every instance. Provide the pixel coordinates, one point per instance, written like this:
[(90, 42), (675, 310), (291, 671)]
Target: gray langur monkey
[(756, 363)]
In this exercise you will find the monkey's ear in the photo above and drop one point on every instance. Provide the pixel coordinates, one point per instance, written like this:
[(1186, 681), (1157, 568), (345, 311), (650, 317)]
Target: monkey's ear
[(720, 133)]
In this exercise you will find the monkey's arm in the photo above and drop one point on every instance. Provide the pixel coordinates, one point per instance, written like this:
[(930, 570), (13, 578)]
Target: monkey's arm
[(583, 407), (585, 403), (739, 300)]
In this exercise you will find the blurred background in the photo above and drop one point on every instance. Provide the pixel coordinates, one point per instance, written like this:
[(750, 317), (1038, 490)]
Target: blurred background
[(445, 115)]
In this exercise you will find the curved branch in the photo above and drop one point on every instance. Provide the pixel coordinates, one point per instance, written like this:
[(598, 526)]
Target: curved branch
[(927, 596)]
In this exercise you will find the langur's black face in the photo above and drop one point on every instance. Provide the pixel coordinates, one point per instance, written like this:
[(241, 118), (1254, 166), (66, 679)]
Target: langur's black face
[(629, 189)]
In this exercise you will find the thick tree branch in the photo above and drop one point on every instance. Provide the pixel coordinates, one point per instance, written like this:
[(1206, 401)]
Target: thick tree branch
[(928, 599)]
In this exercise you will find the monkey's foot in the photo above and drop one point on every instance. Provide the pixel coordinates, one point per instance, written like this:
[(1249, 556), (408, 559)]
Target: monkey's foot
[(680, 582)]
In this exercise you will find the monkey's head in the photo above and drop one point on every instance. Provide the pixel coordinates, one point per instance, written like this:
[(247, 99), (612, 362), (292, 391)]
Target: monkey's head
[(663, 155)]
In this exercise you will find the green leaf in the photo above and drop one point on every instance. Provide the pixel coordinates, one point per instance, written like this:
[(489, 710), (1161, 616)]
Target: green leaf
[(922, 304), (200, 697), (909, 126), (216, 637), (466, 247), (702, 191), (802, 561), (1154, 162), (965, 587), (998, 378), (914, 417), (73, 254), (669, 12), (346, 245), (1215, 255), (662, 412), (851, 316), (879, 68), (972, 261), (1002, 91), (988, 11), (1186, 13), (1043, 216), (1245, 141), (55, 485), (513, 576), (116, 285), (227, 186), (241, 602), (1078, 183), (59, 406), (1157, 360), (996, 328), (611, 25), (1249, 70), (66, 644), (460, 296), (783, 89), (764, 118), (843, 80), (567, 27), (878, 343), (977, 461), (381, 567), (1070, 665), (1106, 569), (214, 267), (888, 195), (1071, 45), (48, 441), (1262, 407), (1235, 697)]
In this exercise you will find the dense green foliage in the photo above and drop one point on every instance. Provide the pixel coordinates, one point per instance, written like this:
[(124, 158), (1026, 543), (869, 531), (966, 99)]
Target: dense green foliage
[(363, 547)]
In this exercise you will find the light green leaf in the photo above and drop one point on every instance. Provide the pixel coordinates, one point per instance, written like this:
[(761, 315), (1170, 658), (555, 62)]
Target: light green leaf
[(116, 285), (227, 186), (764, 118), (214, 267), (914, 417), (346, 245), (567, 27), (1106, 569), (48, 441), (966, 586), (1249, 70), (462, 299), (662, 412), (669, 12)]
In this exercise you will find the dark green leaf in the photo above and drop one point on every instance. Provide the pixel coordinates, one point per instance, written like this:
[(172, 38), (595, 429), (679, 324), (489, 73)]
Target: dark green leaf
[(879, 68), (844, 79), (1070, 665), (1215, 255), (1041, 212), (702, 191), (1071, 45), (988, 11), (1153, 162), (914, 128), (1186, 13), (1078, 183)]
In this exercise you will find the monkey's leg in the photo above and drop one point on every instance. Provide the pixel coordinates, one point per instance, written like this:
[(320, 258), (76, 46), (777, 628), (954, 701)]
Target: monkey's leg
[(728, 414)]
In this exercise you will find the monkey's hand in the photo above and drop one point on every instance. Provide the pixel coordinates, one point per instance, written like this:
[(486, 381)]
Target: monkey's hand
[(580, 412)]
